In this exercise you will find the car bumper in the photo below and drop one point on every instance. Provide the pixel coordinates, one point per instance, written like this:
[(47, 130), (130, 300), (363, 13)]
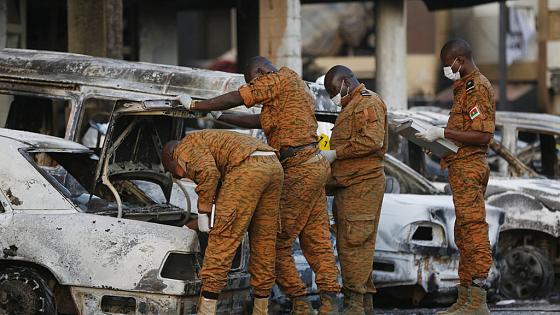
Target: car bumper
[(103, 301), (435, 274)]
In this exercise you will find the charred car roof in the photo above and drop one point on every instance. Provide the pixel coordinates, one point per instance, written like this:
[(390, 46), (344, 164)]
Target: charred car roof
[(66, 68), (42, 142)]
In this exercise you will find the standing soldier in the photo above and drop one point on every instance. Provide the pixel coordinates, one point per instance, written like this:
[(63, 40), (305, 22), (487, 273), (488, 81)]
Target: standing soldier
[(358, 143), (288, 121), (471, 127), (248, 200)]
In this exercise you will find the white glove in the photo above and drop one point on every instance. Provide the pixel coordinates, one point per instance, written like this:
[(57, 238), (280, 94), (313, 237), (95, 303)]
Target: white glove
[(431, 135), (203, 223), (215, 114), (329, 155), (185, 100)]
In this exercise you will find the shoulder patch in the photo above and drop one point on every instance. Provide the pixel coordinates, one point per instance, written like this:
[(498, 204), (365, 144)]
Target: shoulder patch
[(469, 86), (365, 93)]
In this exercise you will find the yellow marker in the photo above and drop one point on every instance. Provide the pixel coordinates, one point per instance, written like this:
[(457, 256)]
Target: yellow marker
[(324, 143)]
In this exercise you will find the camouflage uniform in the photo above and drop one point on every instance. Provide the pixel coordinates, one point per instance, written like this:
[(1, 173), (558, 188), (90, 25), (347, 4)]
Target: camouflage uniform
[(288, 121), (248, 200), (473, 110), (360, 140)]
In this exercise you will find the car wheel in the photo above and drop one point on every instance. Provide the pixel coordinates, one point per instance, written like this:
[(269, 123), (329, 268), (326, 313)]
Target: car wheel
[(525, 273), (23, 291)]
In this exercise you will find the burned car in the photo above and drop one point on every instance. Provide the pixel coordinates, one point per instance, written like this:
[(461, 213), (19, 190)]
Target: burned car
[(71, 94), (90, 234), (529, 238), (534, 138)]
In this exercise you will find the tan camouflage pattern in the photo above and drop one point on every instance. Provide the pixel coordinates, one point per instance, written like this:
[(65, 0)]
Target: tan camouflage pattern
[(468, 180), (357, 209), (208, 155), (287, 115), (303, 213), (248, 201), (360, 139), (466, 96), (469, 173), (288, 119)]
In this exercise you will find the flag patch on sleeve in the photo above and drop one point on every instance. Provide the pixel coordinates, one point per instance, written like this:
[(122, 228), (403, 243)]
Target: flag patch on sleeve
[(474, 112)]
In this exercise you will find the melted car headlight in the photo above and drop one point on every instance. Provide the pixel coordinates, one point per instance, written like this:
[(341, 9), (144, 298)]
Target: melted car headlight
[(180, 266), (427, 234)]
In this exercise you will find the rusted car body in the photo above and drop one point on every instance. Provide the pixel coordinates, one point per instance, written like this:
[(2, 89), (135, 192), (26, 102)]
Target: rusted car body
[(83, 81), (105, 233)]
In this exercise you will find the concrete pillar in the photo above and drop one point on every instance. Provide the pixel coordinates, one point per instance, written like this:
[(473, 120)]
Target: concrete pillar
[(543, 96), (5, 100), (280, 32), (247, 32), (390, 52), (96, 27), (3, 23), (158, 37)]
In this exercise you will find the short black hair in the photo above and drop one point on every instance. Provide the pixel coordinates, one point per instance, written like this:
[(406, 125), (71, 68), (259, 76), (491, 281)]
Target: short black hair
[(257, 62), (455, 48), (338, 73)]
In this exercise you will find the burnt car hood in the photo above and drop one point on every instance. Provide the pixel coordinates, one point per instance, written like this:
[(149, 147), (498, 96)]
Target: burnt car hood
[(136, 134), (402, 210), (546, 191)]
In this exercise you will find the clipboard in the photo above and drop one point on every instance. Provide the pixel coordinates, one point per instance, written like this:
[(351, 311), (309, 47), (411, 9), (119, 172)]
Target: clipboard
[(441, 147)]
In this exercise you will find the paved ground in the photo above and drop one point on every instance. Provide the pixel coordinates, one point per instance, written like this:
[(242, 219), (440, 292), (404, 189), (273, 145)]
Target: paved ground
[(518, 308)]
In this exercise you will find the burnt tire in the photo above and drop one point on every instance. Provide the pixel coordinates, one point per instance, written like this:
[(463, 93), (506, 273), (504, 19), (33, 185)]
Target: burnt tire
[(23, 291), (525, 273)]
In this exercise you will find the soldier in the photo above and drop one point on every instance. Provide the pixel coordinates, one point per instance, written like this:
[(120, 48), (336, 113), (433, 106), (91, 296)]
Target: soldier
[(249, 198), (288, 121), (471, 127), (358, 143)]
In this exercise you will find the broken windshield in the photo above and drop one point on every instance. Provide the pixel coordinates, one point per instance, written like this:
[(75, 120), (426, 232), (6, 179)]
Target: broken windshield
[(73, 174)]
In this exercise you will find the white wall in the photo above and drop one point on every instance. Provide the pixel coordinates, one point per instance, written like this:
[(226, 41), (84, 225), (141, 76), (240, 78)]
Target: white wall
[(158, 33), (479, 26)]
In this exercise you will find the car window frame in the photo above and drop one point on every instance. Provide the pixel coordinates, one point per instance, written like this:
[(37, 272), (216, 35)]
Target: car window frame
[(537, 133), (72, 99), (26, 153), (6, 208)]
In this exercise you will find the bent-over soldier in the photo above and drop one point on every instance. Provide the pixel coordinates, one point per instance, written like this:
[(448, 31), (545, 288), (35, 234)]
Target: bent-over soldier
[(242, 177)]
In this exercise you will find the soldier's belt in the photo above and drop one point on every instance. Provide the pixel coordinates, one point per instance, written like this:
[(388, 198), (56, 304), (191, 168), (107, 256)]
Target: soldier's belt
[(288, 152), (262, 153)]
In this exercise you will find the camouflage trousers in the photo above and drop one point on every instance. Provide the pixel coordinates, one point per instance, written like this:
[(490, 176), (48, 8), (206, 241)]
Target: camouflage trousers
[(357, 209), (468, 179), (303, 213), (248, 200)]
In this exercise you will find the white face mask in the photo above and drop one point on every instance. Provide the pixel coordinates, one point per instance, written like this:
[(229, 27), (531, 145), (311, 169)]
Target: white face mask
[(448, 72), (337, 99)]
